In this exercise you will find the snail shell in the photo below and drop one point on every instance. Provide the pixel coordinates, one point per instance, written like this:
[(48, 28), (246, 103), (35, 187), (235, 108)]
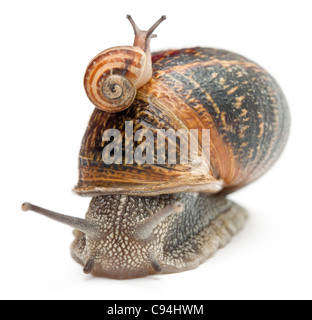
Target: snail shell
[(112, 78), (196, 88)]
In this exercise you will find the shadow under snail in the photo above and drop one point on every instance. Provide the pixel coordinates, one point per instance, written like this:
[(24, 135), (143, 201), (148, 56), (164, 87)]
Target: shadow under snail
[(147, 219)]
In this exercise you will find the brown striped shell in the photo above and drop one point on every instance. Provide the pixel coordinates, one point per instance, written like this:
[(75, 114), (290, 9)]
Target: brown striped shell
[(197, 88), (112, 78)]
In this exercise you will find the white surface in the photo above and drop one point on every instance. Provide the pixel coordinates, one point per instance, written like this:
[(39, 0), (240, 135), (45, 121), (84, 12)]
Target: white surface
[(45, 48)]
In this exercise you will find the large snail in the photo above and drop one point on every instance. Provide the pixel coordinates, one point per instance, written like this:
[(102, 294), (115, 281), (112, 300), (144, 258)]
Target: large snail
[(153, 218)]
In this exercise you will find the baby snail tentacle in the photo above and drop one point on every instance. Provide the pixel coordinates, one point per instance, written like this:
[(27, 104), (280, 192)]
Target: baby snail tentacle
[(113, 77)]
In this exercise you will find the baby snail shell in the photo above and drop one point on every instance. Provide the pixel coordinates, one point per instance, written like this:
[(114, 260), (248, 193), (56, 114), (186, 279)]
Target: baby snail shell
[(113, 76)]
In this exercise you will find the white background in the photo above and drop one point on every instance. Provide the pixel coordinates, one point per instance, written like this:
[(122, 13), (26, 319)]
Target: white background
[(45, 48)]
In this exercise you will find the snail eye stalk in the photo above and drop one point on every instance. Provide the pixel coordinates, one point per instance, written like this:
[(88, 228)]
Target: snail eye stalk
[(89, 228)]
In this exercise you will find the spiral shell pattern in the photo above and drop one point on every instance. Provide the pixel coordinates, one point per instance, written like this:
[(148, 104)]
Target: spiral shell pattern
[(111, 78)]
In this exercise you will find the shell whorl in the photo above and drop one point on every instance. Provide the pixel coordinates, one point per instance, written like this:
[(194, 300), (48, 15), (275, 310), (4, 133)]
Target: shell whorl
[(112, 78)]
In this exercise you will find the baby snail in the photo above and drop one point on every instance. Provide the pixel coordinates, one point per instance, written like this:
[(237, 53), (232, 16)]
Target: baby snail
[(113, 76), (160, 217)]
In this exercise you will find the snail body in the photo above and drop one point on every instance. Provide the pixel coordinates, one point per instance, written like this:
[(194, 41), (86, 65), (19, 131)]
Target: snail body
[(180, 242), (153, 218)]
